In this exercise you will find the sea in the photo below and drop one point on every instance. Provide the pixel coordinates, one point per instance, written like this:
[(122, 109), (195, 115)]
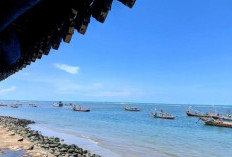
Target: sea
[(110, 131)]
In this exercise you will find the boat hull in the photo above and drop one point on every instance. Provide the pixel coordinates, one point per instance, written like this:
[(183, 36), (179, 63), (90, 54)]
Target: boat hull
[(14, 106), (163, 117), (58, 105), (135, 110), (227, 119), (218, 123), (82, 110), (213, 122), (195, 115)]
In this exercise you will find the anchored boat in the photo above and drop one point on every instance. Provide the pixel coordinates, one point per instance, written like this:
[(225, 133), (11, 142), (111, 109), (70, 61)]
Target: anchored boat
[(14, 106), (166, 116), (227, 118), (2, 104), (162, 115), (69, 104), (213, 122), (196, 114), (75, 108), (59, 104), (34, 105), (131, 109)]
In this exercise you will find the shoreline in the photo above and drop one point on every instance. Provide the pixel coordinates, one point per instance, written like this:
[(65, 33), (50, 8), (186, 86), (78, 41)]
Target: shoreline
[(91, 144), (15, 135), (67, 139), (70, 137), (10, 142)]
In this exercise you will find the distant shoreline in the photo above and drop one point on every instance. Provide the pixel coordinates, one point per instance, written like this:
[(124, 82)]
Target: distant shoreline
[(120, 102)]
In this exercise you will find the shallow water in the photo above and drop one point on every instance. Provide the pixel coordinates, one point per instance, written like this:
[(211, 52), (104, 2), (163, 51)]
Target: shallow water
[(127, 134), (8, 153)]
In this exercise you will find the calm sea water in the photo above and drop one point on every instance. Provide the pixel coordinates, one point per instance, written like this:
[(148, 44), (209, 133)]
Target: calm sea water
[(115, 132)]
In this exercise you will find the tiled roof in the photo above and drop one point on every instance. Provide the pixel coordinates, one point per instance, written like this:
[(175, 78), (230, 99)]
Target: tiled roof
[(44, 26)]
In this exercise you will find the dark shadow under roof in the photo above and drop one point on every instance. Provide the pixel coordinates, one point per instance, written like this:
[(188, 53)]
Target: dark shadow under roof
[(30, 28)]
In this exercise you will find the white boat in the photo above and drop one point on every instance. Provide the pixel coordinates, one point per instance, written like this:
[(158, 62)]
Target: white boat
[(59, 104)]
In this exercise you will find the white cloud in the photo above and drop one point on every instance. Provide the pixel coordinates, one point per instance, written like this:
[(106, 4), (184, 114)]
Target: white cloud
[(68, 68), (7, 90)]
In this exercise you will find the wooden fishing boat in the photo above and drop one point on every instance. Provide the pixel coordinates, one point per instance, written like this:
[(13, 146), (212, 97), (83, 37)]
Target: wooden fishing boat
[(14, 106), (19, 104), (34, 105), (216, 117), (131, 109), (80, 109), (189, 113), (59, 104), (3, 105), (227, 118), (223, 118), (196, 113), (69, 104), (213, 122), (164, 116)]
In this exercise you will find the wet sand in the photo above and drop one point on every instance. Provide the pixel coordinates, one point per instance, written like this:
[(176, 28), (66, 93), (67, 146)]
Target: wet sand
[(10, 141), (70, 137)]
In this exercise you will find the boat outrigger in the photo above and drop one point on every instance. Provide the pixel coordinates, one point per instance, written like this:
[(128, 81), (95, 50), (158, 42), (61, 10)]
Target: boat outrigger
[(75, 108), (131, 109), (162, 115), (59, 104)]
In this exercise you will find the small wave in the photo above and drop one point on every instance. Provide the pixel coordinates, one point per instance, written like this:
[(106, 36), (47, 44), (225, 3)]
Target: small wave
[(225, 107), (213, 107), (203, 106), (91, 140)]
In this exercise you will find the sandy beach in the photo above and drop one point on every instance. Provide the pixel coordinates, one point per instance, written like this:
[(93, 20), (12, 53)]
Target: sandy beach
[(9, 140), (15, 135)]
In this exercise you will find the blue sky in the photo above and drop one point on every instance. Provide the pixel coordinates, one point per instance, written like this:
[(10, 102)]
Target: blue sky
[(160, 51)]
